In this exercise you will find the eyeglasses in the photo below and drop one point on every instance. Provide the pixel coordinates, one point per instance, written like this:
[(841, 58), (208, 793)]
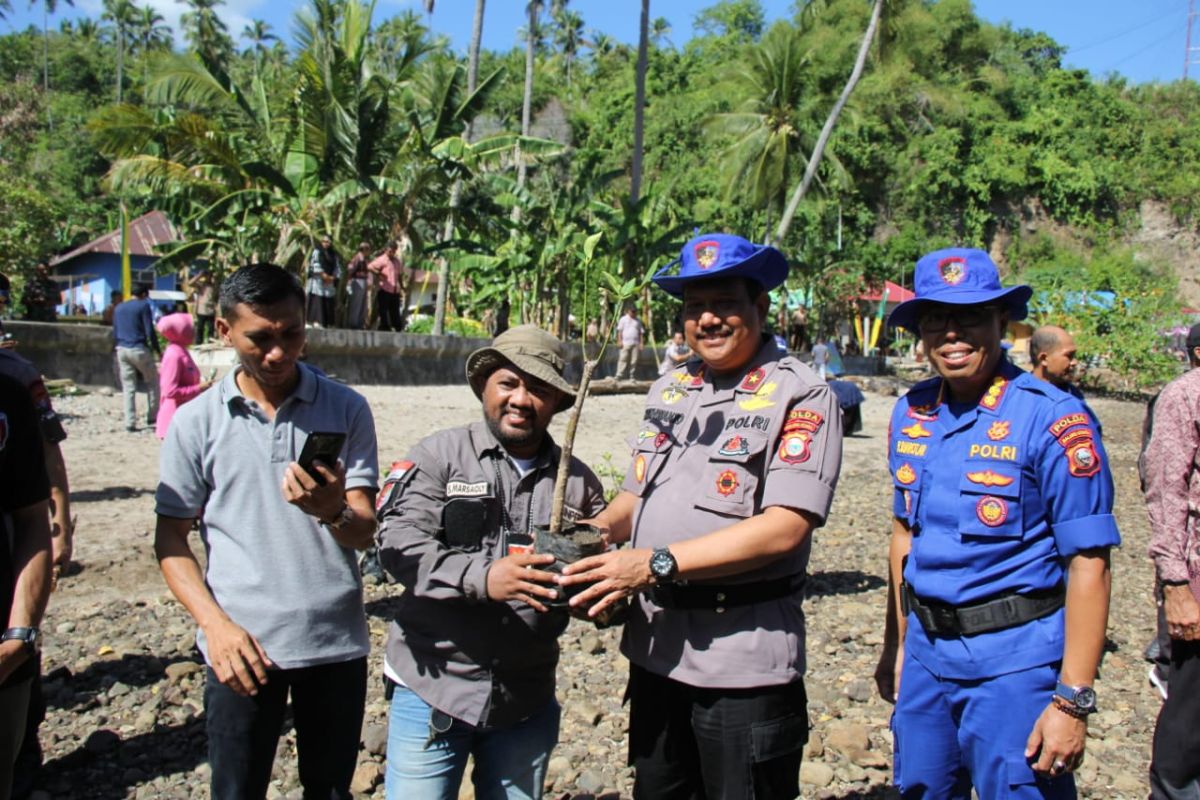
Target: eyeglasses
[(935, 320)]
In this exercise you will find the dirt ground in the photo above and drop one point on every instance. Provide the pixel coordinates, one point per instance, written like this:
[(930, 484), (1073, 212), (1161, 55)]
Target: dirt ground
[(125, 698)]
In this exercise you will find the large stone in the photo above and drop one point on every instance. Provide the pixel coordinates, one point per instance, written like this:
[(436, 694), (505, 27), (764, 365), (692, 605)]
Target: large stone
[(366, 777), (375, 739), (847, 737), (814, 773), (181, 669)]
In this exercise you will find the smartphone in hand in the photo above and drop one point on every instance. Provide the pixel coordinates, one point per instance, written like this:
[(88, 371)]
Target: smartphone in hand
[(323, 447)]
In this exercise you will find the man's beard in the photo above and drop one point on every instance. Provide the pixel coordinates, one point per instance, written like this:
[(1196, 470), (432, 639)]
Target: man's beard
[(508, 440)]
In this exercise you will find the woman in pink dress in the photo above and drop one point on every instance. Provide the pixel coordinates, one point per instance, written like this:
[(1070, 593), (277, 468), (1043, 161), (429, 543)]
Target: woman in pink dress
[(178, 375)]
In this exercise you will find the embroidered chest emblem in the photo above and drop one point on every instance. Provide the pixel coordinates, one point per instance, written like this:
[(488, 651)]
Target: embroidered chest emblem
[(735, 446), (671, 395), (989, 478), (991, 511), (999, 430), (916, 431), (727, 483), (906, 474)]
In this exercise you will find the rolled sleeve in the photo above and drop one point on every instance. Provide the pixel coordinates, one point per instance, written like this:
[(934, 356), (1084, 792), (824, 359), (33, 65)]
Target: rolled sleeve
[(1077, 492), (803, 466)]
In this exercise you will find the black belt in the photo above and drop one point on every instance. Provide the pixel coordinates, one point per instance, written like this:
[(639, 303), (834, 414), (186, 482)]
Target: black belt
[(990, 615), (688, 596)]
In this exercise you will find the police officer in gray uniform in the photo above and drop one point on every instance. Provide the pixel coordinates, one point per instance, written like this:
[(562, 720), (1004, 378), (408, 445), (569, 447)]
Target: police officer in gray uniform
[(472, 651), (733, 468)]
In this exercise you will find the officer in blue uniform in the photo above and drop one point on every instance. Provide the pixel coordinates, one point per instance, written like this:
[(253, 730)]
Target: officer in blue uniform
[(999, 562)]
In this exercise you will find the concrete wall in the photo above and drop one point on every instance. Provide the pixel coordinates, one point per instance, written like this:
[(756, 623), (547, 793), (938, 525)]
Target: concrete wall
[(83, 353)]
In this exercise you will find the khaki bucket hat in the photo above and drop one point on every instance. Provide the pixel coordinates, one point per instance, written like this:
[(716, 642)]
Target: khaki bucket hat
[(530, 350)]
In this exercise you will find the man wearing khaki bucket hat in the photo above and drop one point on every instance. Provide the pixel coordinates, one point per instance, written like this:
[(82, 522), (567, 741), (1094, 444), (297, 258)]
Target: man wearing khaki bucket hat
[(472, 651)]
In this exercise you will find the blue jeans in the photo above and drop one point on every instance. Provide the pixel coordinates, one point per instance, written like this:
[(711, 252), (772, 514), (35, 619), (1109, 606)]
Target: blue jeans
[(327, 711), (510, 762)]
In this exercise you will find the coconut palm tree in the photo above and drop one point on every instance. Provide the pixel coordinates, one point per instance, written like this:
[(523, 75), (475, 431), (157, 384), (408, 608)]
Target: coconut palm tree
[(533, 37), (5, 8), (150, 34), (258, 33), (660, 31), (639, 104), (48, 8), (827, 130), (205, 31), (439, 307), (122, 14), (568, 37)]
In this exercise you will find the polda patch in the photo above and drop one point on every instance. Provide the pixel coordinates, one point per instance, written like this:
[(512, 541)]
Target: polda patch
[(1082, 459), (795, 447)]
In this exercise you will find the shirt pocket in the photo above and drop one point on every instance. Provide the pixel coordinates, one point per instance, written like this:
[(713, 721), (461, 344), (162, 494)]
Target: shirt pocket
[(650, 453), (990, 501), (730, 478)]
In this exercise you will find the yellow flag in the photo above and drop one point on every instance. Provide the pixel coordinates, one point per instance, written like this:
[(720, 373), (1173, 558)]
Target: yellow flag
[(126, 271)]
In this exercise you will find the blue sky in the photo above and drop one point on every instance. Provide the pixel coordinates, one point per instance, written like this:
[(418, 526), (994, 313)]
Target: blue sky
[(1142, 40)]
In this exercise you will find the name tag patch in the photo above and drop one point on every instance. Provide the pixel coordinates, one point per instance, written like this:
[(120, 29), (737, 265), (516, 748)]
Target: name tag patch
[(1005, 452), (464, 489)]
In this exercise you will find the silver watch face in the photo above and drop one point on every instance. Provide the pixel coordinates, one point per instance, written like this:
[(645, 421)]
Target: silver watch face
[(1085, 698), (662, 564)]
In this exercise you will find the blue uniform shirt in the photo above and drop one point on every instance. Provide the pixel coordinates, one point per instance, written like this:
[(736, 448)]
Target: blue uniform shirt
[(998, 495)]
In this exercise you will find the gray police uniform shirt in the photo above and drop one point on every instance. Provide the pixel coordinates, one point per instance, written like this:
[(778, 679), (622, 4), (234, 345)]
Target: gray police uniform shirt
[(275, 570), (709, 455), (441, 527)]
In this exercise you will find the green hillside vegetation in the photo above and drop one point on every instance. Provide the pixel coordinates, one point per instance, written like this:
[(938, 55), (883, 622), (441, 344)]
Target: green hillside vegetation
[(960, 132)]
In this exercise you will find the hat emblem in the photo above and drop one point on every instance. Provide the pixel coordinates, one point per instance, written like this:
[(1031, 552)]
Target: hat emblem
[(953, 269), (706, 253)]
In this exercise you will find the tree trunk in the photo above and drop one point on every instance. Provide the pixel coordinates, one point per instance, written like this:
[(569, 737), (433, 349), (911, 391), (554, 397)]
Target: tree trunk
[(810, 171), (639, 103), (46, 63), (120, 60), (439, 310), (535, 8)]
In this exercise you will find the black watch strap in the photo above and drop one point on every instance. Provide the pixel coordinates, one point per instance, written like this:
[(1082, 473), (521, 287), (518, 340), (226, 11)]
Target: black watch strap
[(27, 636)]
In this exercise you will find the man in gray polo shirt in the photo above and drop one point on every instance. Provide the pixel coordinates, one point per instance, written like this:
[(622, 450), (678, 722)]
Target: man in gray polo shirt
[(472, 652), (279, 606)]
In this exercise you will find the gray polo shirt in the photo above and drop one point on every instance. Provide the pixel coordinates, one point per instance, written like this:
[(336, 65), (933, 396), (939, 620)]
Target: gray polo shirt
[(275, 570), (709, 455), (441, 527)]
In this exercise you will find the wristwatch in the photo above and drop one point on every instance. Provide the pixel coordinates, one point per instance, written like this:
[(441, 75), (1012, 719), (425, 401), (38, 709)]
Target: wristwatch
[(341, 518), (27, 636), (663, 565), (1081, 699)]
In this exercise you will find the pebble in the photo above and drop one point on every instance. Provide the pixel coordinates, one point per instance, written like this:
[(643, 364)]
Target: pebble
[(129, 723)]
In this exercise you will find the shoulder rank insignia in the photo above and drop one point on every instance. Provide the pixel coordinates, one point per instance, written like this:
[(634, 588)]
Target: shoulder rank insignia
[(995, 393), (752, 380), (916, 431), (999, 430)]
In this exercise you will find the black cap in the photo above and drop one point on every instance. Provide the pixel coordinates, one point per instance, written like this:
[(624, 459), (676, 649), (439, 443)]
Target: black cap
[(1193, 337)]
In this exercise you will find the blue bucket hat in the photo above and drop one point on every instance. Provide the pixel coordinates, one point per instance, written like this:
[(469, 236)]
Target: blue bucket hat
[(959, 276), (722, 255)]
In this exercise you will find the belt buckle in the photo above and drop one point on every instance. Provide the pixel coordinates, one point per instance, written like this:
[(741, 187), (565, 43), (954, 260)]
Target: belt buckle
[(945, 619)]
